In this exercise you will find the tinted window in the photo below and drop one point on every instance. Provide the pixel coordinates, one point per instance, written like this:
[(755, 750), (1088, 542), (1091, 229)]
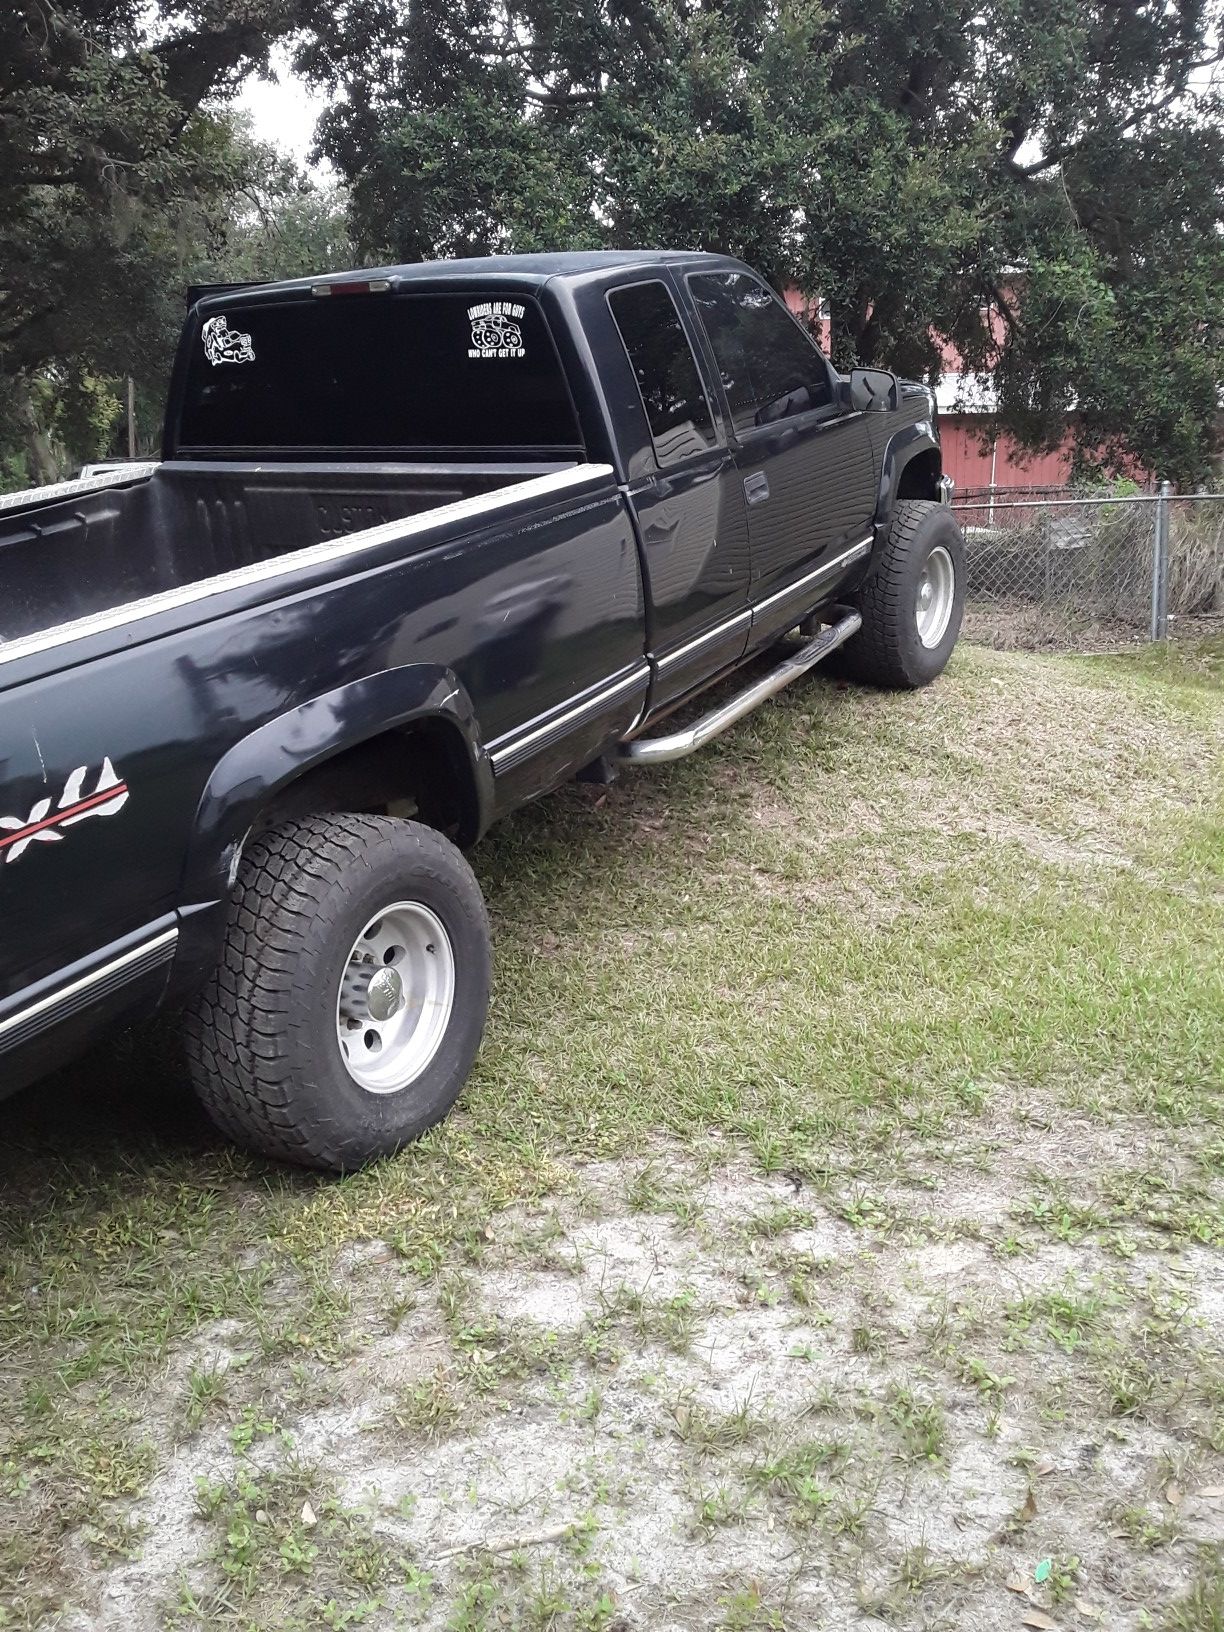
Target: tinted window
[(434, 372), (769, 368), (672, 394)]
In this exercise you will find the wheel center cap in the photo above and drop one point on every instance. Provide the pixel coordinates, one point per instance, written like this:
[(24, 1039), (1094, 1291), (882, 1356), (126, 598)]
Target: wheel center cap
[(385, 994)]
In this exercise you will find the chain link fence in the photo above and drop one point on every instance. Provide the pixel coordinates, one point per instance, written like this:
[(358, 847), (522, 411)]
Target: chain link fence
[(1053, 567)]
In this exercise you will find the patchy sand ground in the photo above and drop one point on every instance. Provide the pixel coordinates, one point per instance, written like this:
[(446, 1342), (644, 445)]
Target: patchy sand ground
[(685, 1393), (860, 1269)]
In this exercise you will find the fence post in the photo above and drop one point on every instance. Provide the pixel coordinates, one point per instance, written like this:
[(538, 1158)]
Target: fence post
[(1160, 564)]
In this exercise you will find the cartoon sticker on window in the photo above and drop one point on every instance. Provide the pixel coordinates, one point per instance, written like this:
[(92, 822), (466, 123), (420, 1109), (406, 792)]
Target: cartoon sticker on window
[(495, 329), (225, 345)]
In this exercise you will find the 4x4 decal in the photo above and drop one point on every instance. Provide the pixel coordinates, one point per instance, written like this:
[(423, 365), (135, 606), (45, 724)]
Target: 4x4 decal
[(42, 825)]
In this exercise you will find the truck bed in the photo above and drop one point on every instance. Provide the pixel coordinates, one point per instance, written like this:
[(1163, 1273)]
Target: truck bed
[(87, 547)]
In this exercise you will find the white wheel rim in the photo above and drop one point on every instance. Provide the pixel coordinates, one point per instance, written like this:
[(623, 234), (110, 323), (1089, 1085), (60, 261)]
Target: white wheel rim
[(396, 995), (936, 593)]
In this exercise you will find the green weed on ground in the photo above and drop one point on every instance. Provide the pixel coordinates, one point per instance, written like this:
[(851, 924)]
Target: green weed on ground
[(880, 952)]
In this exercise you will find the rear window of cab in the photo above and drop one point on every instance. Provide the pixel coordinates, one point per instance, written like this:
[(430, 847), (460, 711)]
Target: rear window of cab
[(433, 373)]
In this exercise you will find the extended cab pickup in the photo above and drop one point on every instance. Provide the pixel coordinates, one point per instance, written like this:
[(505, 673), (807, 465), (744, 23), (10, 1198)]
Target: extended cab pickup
[(424, 543)]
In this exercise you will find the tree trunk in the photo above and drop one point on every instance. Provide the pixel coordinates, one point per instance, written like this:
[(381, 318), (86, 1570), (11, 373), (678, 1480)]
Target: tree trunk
[(44, 468)]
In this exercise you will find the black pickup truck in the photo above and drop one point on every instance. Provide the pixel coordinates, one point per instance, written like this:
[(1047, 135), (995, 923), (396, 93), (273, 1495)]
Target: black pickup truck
[(424, 543)]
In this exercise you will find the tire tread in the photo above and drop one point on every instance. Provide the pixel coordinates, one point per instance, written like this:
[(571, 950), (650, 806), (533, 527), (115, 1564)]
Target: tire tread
[(240, 1066), (876, 654)]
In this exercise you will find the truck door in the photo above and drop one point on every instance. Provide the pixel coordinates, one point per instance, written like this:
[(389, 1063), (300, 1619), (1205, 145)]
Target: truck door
[(687, 497), (805, 461)]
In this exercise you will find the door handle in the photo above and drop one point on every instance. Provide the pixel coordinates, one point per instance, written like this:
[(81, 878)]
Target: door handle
[(756, 487)]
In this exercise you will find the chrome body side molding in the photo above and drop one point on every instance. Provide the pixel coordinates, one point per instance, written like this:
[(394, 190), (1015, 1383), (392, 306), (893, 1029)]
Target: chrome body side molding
[(109, 977), (511, 750), (803, 586)]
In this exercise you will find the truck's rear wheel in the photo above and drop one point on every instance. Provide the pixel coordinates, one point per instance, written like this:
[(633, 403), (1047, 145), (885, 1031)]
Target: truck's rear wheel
[(349, 1001), (911, 602)]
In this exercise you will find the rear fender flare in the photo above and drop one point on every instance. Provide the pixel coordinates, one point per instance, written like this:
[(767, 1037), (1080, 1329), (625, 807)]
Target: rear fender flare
[(252, 773)]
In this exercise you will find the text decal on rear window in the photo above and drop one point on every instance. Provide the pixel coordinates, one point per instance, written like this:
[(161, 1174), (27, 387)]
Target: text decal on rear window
[(495, 329)]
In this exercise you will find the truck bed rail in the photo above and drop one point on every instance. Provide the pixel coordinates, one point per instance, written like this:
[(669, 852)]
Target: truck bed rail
[(78, 485)]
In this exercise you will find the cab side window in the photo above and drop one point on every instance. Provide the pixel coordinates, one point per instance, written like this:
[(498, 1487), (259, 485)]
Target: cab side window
[(666, 372), (770, 369)]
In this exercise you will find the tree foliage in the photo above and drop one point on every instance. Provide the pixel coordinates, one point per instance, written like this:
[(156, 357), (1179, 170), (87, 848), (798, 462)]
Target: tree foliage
[(1041, 183), (115, 180)]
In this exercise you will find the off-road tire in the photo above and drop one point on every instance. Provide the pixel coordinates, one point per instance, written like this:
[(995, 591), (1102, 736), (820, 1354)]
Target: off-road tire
[(888, 650), (262, 1045)]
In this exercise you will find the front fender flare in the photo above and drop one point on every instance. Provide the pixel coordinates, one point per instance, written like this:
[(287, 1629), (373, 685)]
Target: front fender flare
[(260, 765), (899, 451)]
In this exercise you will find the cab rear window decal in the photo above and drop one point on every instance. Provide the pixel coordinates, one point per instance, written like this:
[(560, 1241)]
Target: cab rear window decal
[(496, 330), (110, 794), (225, 345)]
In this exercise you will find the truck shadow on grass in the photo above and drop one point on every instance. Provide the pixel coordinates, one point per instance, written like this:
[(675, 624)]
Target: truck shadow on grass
[(128, 1094), (127, 1104), (128, 1099)]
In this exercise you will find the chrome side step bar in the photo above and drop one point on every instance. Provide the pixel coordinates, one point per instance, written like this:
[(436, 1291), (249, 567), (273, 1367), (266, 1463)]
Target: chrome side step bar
[(680, 744)]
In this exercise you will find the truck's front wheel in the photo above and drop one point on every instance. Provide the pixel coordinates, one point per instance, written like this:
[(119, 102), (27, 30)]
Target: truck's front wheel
[(348, 1005), (911, 602)]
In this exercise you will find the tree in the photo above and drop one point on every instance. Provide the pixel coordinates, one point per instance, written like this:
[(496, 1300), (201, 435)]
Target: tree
[(114, 176), (1042, 184)]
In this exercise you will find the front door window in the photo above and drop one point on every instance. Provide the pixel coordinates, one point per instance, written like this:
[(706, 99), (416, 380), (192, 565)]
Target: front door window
[(770, 369)]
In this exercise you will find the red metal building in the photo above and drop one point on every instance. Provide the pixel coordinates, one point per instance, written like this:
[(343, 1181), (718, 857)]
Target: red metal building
[(971, 457)]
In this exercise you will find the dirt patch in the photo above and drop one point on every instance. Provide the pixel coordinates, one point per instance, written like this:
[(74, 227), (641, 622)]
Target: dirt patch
[(692, 1391)]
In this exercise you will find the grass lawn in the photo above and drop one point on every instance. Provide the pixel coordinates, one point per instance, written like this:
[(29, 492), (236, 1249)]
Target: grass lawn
[(830, 1235)]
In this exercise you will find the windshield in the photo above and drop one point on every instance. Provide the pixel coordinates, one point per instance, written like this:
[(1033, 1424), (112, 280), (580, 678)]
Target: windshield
[(378, 373)]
